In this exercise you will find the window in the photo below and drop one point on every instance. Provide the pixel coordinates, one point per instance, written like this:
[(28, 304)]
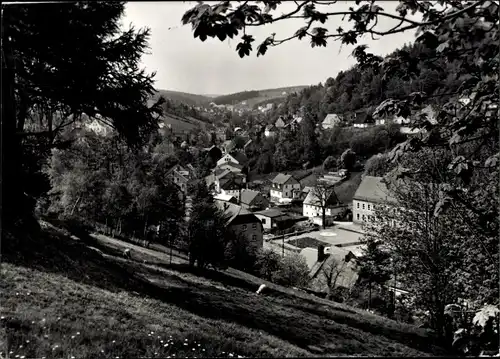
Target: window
[(254, 237), (363, 206), (244, 227), (368, 207), (263, 221), (254, 226), (358, 205), (363, 217), (357, 216)]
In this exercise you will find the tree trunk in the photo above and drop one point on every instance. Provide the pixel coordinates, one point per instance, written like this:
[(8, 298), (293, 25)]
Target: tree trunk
[(74, 206), (13, 200), (370, 295), (324, 217)]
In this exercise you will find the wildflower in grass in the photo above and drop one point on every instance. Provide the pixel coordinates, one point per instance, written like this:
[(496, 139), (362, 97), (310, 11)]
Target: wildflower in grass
[(2, 317), (113, 342), (185, 344), (72, 337), (77, 333), (27, 341), (20, 346), (165, 345)]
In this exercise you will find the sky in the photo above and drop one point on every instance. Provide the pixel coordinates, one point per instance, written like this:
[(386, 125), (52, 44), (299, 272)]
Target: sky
[(183, 63)]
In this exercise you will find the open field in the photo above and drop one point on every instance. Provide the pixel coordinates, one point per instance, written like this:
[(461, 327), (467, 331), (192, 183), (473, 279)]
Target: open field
[(63, 299)]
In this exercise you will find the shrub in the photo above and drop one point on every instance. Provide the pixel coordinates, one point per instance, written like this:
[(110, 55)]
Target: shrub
[(293, 271)]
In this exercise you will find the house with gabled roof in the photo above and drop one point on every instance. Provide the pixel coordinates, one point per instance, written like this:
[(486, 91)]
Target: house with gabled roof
[(270, 217), (327, 261), (280, 122), (363, 120), (237, 157), (331, 120), (312, 207), (242, 222), (253, 200), (372, 191), (284, 186), (270, 131)]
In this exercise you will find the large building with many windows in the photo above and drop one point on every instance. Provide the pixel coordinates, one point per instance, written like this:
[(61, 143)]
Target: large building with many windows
[(372, 191)]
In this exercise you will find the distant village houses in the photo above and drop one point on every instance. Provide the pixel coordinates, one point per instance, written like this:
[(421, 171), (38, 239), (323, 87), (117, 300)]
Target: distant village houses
[(331, 120), (284, 186)]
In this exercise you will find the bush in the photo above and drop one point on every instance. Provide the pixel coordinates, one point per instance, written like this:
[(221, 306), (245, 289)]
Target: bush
[(293, 272), (267, 264)]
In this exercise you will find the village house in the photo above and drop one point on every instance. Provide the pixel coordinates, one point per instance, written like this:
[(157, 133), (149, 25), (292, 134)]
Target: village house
[(231, 166), (236, 157), (253, 200), (270, 131), (280, 123), (231, 186), (241, 222), (331, 261), (271, 218), (225, 176), (312, 207), (363, 120), (180, 176), (224, 198), (331, 120), (283, 187), (371, 192)]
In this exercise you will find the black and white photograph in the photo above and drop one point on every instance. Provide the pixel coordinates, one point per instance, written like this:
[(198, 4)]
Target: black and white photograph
[(244, 179)]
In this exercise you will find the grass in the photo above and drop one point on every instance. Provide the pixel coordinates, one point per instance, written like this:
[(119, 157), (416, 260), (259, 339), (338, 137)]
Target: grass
[(63, 299)]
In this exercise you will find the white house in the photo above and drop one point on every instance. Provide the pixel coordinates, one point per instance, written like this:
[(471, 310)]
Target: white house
[(372, 191), (284, 187), (363, 120), (312, 207), (331, 120), (228, 158), (270, 131)]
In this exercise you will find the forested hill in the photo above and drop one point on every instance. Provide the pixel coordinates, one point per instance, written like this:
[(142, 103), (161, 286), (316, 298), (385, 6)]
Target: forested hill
[(358, 89)]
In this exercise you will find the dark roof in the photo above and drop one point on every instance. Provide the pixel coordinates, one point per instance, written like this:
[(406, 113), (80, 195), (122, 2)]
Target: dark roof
[(373, 189), (229, 184), (312, 199), (345, 190), (248, 195), (233, 211), (282, 178), (240, 157), (364, 117), (270, 213)]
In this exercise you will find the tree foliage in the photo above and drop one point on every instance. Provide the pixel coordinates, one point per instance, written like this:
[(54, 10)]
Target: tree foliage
[(207, 241), (48, 83)]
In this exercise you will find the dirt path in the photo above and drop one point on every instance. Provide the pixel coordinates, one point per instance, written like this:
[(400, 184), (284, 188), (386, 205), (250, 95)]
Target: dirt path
[(159, 252)]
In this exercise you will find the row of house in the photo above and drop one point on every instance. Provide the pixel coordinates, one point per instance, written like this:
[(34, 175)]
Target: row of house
[(364, 119)]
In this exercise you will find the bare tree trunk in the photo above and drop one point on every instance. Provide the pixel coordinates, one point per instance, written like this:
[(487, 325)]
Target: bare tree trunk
[(324, 216), (74, 206), (370, 295)]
